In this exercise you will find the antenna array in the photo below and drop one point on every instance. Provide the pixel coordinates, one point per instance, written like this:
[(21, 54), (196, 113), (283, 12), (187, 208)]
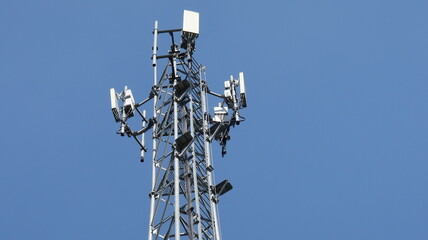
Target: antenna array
[(183, 196)]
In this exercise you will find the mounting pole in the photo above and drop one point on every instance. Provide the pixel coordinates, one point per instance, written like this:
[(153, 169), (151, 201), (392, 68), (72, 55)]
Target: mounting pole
[(155, 126)]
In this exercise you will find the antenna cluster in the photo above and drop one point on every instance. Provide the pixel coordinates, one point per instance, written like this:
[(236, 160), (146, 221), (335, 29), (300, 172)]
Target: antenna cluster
[(183, 196), (222, 122)]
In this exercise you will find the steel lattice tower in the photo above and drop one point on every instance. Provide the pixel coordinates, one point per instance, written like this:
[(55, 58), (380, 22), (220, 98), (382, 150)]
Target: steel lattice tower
[(183, 197)]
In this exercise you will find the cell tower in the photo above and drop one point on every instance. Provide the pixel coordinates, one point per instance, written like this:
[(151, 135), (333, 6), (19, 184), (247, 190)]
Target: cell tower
[(183, 197)]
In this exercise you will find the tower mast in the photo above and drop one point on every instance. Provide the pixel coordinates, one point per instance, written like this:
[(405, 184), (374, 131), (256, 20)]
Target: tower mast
[(183, 196)]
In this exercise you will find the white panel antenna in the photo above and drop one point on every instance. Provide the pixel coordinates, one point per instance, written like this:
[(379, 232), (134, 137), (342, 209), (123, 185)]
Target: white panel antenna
[(227, 89), (191, 22), (129, 103), (242, 90), (114, 105)]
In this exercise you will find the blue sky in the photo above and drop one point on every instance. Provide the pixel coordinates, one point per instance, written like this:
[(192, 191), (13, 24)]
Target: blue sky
[(334, 146)]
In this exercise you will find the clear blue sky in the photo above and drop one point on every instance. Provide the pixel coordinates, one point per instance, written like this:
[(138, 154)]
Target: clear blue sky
[(334, 147)]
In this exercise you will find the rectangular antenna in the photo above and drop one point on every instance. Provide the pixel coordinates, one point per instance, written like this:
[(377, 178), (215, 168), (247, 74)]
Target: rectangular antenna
[(242, 90), (191, 22), (114, 105)]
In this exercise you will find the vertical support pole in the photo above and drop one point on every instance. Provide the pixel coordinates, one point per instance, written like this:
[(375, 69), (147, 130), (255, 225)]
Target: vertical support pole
[(208, 158), (155, 126), (195, 174), (176, 160), (187, 181), (155, 45), (142, 137)]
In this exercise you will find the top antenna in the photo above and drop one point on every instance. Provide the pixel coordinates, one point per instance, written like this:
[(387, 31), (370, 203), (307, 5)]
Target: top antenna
[(190, 31), (191, 22)]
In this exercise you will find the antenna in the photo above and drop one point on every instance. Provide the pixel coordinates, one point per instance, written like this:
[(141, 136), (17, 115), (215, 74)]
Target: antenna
[(242, 90), (190, 31), (183, 196), (114, 105)]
